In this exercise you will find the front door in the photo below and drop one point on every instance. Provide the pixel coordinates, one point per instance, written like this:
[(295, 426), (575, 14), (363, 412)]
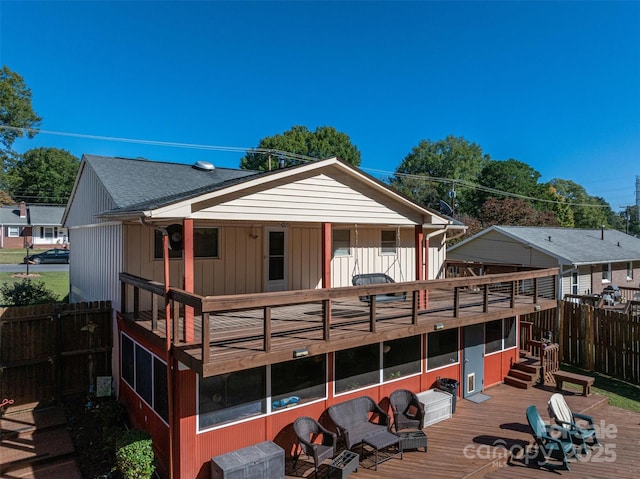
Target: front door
[(473, 364), (276, 264)]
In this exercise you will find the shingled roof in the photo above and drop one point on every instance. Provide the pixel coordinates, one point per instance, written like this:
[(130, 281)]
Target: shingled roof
[(144, 184), (572, 245)]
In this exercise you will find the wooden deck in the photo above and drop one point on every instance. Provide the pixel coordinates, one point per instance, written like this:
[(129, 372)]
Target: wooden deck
[(240, 335), (477, 440)]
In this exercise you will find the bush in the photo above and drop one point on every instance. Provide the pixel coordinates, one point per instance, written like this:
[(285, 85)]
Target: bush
[(25, 293), (134, 455)]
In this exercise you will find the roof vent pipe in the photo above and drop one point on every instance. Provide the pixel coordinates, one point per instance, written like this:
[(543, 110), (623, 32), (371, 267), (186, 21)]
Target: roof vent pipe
[(602, 232), (549, 238), (204, 166)]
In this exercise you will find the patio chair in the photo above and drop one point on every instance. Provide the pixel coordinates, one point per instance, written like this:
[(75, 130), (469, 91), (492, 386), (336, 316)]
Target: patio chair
[(558, 447), (408, 411), (307, 429), (580, 432)]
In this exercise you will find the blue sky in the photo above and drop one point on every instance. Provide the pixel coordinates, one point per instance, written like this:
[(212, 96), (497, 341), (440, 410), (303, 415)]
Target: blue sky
[(553, 84)]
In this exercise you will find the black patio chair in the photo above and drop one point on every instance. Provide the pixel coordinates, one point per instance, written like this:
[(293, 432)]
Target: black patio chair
[(408, 411), (307, 430)]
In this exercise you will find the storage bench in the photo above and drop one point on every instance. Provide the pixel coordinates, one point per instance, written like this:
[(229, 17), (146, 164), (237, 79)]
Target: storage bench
[(437, 405), (260, 461)]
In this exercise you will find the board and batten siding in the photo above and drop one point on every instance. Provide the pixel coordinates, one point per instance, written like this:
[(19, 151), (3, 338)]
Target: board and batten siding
[(584, 281), (494, 247), (90, 199), (366, 257), (316, 199)]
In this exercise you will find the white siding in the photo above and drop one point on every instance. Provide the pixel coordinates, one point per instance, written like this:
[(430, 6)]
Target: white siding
[(317, 199), (366, 257), (436, 256), (494, 247), (95, 263), (89, 200)]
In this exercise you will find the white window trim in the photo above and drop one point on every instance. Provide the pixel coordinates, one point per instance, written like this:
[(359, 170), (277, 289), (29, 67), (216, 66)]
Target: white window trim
[(608, 271), (13, 232)]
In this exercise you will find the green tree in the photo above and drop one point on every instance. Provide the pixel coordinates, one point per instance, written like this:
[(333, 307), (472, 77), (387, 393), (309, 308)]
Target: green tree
[(435, 169), (588, 211), (510, 175), (43, 175), (322, 143), (16, 111)]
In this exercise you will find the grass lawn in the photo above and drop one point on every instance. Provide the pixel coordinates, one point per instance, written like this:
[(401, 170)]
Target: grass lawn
[(620, 393), (13, 255), (56, 281)]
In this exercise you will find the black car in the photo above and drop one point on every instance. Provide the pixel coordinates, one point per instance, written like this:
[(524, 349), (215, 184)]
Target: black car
[(57, 255)]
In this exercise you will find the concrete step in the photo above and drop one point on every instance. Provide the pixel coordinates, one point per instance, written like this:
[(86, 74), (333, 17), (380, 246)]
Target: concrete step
[(518, 383)]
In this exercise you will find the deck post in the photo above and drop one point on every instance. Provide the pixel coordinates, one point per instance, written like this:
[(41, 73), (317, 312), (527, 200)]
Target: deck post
[(421, 243), (456, 302), (326, 319), (372, 313), (136, 303), (513, 294), (415, 306), (267, 329), (187, 260), (206, 340), (154, 312), (485, 298), (535, 290)]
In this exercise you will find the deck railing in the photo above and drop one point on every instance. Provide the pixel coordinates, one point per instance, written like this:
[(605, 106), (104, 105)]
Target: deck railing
[(442, 297)]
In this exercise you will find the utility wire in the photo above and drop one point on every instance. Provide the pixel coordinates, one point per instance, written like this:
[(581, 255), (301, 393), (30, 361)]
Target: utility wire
[(299, 157)]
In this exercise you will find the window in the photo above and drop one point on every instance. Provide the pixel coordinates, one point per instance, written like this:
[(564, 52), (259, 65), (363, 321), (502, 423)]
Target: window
[(232, 396), (574, 282), (388, 242), (146, 374), (500, 334), (341, 243), (46, 233), (401, 357), (304, 378), (205, 244), (630, 271), (606, 273), (357, 367), (13, 231), (442, 348), (493, 336)]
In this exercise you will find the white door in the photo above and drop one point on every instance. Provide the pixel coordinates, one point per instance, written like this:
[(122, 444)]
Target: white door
[(275, 259)]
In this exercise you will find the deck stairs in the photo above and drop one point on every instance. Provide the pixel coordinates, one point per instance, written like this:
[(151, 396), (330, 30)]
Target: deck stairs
[(36, 444), (524, 373)]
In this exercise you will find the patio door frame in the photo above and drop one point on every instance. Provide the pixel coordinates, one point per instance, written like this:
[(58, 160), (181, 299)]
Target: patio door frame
[(473, 359)]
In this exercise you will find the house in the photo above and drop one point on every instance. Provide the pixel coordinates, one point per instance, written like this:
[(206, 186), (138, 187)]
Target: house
[(235, 306), (589, 259), (39, 226)]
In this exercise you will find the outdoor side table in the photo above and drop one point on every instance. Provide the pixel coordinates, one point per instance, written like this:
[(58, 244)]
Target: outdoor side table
[(413, 440), (382, 440), (344, 464)]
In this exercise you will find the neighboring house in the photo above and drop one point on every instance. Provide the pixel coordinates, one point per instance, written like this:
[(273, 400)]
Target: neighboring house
[(265, 260), (589, 259), (39, 226)]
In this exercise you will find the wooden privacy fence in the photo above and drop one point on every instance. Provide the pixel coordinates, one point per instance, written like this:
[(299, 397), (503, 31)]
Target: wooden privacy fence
[(602, 340), (53, 350)]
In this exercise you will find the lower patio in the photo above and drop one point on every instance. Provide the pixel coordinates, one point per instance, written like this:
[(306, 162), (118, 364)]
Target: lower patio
[(478, 439)]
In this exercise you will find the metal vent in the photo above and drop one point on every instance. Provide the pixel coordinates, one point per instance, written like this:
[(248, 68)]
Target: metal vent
[(204, 166)]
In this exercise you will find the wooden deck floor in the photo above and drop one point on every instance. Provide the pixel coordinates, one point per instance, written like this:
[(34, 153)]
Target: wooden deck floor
[(476, 441), (240, 334)]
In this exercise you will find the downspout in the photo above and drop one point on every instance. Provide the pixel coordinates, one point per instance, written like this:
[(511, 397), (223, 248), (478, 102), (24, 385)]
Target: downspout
[(168, 330)]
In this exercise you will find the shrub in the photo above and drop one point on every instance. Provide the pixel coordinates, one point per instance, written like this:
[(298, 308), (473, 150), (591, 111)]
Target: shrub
[(134, 455), (25, 293)]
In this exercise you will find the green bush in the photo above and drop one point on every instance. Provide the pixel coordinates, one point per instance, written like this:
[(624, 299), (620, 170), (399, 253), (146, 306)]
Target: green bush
[(25, 293), (134, 455)]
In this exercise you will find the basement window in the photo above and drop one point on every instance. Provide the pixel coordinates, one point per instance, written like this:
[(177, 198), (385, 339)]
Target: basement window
[(442, 348), (298, 381), (357, 368), (401, 357)]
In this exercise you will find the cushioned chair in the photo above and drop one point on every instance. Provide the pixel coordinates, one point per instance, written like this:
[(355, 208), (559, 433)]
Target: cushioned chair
[(553, 441), (580, 431), (408, 411), (307, 430)]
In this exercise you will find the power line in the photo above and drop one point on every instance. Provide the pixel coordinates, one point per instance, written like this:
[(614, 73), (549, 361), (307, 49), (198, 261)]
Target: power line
[(299, 157)]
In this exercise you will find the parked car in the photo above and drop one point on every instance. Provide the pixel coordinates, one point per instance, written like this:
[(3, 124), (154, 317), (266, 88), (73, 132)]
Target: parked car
[(57, 255)]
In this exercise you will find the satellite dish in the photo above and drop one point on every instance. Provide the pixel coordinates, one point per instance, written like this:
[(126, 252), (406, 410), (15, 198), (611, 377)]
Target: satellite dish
[(175, 237), (445, 209)]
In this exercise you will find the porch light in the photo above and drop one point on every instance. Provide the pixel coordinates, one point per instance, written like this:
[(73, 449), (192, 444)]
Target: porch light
[(438, 326)]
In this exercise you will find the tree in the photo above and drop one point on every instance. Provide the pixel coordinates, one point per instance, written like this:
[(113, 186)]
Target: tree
[(511, 175), (43, 175), (514, 212), (15, 110), (588, 211), (436, 168), (322, 143)]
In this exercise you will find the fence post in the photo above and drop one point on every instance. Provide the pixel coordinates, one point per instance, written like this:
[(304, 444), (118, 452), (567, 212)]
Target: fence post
[(562, 336), (588, 339)]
